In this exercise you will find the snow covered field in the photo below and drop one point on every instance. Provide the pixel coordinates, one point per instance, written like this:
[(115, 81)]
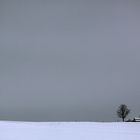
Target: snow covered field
[(68, 131)]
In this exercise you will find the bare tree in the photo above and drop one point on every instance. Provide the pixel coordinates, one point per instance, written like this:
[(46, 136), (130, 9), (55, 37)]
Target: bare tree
[(123, 111)]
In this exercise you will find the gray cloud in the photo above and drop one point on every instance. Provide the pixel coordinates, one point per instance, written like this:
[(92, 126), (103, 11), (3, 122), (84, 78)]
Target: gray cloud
[(68, 60)]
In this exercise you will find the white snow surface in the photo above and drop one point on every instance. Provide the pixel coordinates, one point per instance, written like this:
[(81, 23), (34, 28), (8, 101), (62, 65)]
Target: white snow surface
[(68, 131)]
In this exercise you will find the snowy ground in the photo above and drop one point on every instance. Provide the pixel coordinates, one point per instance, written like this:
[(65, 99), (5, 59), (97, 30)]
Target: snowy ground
[(69, 131)]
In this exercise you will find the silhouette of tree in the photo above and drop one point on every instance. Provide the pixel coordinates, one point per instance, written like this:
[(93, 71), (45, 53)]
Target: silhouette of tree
[(123, 111)]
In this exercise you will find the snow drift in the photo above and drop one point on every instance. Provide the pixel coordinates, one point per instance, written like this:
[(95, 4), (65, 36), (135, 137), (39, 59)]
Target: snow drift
[(69, 131)]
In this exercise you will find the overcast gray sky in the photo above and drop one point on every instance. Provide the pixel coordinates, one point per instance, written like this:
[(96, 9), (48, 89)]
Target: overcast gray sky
[(69, 60)]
